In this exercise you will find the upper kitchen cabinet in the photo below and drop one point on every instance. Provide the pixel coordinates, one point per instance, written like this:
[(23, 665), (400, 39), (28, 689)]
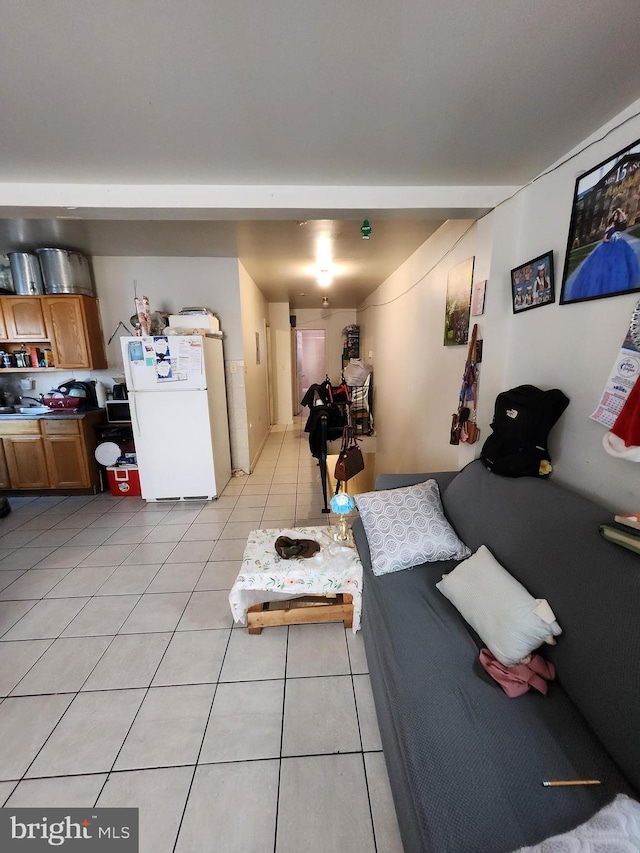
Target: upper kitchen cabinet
[(70, 324), (73, 327), (23, 318)]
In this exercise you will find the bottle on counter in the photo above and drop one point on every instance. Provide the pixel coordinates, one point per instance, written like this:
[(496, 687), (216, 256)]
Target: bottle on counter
[(101, 394)]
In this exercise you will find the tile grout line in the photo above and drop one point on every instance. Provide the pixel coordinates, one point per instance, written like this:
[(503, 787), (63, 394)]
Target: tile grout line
[(284, 699)]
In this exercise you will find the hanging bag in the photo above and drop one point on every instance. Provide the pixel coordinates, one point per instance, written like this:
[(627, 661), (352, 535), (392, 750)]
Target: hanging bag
[(463, 429), (350, 461)]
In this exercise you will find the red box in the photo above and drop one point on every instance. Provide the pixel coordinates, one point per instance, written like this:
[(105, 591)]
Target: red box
[(124, 480)]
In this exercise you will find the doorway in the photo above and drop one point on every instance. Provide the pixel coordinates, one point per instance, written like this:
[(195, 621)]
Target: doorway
[(310, 362)]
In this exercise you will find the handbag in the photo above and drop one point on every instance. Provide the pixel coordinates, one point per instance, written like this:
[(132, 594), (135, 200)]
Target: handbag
[(350, 461), (462, 427)]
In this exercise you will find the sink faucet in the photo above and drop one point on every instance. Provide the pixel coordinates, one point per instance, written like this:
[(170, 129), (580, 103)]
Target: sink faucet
[(38, 401)]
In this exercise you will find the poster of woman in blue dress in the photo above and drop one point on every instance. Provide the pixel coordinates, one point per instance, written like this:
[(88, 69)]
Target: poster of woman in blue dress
[(603, 254)]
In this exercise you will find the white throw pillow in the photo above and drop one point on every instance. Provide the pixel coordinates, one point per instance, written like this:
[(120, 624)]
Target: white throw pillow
[(613, 829), (406, 527), (508, 620)]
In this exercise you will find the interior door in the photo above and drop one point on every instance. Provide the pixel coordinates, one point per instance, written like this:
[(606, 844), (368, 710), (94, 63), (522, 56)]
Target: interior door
[(310, 360)]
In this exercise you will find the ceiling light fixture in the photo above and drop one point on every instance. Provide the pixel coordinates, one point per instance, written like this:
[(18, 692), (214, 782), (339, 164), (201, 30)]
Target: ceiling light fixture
[(324, 278)]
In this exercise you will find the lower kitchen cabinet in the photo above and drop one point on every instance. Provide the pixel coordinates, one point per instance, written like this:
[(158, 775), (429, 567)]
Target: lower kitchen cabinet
[(66, 462), (51, 453), (26, 462), (5, 483)]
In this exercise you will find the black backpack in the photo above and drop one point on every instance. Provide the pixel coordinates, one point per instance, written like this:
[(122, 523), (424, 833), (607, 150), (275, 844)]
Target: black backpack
[(522, 420)]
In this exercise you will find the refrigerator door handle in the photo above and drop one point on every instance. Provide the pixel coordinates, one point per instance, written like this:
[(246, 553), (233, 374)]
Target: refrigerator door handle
[(134, 416)]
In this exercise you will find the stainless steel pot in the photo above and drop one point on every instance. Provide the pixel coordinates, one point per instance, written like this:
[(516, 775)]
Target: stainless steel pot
[(26, 273), (65, 271)]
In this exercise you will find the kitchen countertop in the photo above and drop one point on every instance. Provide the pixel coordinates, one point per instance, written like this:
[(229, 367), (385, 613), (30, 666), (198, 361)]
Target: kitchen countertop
[(59, 415)]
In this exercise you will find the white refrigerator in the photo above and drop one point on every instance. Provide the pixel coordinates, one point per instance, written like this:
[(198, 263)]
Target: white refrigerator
[(178, 403)]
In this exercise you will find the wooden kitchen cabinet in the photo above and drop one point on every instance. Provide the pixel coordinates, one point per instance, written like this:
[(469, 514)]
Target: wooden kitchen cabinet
[(5, 483), (24, 319), (26, 462), (69, 324), (73, 326), (69, 446), (51, 453)]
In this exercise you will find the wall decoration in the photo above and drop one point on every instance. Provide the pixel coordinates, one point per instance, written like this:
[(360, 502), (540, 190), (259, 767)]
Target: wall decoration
[(622, 378), (477, 298), (532, 284), (603, 249), (458, 304)]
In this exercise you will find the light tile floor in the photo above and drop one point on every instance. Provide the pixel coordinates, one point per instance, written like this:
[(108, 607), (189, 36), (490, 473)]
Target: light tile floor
[(122, 681)]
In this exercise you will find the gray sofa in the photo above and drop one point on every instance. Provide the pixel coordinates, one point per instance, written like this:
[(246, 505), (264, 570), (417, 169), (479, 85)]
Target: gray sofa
[(465, 762)]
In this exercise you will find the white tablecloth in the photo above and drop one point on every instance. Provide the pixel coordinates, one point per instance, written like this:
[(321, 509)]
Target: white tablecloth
[(265, 576)]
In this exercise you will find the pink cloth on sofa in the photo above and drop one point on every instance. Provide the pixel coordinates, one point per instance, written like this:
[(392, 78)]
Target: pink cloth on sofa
[(518, 679)]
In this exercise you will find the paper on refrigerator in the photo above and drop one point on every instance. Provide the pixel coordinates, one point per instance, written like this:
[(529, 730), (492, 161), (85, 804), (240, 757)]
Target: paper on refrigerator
[(622, 378)]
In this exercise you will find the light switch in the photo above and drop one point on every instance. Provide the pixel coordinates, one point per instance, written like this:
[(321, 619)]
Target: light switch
[(233, 367)]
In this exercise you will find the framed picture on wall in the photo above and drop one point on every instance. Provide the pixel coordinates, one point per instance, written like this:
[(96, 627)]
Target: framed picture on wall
[(532, 284), (458, 304), (603, 250), (477, 298)]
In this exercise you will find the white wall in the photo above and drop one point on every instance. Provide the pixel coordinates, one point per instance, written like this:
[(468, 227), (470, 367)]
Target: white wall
[(416, 378), (571, 347), (254, 321), (172, 284), (281, 367)]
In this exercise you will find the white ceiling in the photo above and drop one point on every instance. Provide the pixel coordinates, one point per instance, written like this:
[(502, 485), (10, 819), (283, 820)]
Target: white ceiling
[(288, 93)]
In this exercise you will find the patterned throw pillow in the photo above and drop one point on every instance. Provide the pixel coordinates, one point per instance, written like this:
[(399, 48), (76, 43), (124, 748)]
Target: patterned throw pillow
[(406, 527)]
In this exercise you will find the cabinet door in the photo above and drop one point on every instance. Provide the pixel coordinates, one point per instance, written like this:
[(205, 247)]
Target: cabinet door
[(24, 318), (26, 462), (66, 462), (5, 482), (67, 331)]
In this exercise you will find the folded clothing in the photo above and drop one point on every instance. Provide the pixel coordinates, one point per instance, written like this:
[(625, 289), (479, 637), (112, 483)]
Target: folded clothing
[(518, 679)]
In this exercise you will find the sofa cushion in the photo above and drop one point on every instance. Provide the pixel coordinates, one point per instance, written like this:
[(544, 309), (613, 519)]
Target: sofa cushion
[(548, 538), (407, 526), (499, 608)]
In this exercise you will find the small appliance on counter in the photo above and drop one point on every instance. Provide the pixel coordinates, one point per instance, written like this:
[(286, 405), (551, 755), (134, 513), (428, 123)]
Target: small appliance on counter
[(73, 395), (118, 412)]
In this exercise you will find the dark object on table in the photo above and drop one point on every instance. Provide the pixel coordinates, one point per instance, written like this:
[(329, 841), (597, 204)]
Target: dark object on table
[(296, 549), (5, 507)]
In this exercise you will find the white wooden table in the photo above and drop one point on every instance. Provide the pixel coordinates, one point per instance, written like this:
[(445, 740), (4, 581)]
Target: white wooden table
[(324, 588)]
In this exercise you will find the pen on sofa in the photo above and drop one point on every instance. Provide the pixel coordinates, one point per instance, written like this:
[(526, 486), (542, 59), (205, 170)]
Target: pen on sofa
[(560, 782)]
